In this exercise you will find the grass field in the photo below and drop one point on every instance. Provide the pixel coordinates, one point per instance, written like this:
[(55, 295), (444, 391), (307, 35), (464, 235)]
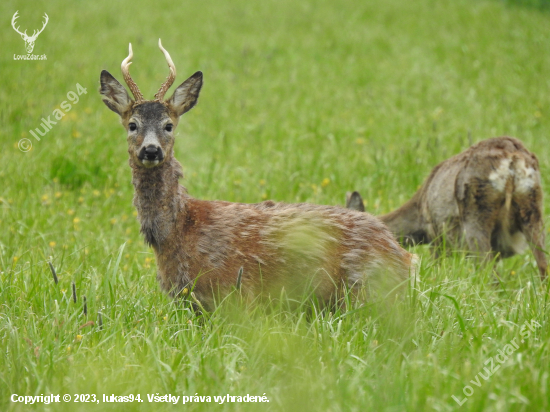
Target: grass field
[(302, 101)]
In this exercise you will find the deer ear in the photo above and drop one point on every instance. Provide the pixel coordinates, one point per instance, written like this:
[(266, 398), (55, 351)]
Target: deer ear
[(354, 201), (186, 95), (113, 94)]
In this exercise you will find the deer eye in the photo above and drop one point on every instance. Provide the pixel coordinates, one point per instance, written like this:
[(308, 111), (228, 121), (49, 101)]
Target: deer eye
[(169, 127), (132, 127)]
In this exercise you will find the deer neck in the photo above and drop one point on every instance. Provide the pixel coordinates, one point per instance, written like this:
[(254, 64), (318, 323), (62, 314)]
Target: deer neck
[(158, 198), (406, 222)]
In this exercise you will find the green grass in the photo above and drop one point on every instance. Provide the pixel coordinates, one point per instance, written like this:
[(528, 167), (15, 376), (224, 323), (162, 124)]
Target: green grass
[(302, 101)]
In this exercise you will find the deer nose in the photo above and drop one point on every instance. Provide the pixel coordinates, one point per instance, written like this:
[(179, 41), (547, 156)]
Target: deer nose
[(152, 152)]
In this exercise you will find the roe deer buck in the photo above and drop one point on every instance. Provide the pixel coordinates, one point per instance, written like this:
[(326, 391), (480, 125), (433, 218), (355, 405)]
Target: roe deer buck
[(487, 198), (202, 245)]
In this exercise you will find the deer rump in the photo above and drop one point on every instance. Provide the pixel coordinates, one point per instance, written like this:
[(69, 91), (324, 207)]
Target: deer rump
[(301, 248)]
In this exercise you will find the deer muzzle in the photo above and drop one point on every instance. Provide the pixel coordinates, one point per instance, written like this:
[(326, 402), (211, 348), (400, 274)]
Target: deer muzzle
[(151, 155)]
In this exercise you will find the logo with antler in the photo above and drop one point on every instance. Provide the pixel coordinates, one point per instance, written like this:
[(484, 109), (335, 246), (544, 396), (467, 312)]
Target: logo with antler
[(29, 40)]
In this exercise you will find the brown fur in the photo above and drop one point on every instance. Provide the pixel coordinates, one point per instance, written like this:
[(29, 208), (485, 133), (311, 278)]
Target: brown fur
[(201, 245), (487, 198)]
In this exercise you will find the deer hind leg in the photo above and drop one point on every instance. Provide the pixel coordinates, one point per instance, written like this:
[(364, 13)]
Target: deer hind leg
[(477, 238), (480, 214), (477, 241), (479, 220), (529, 217), (448, 238)]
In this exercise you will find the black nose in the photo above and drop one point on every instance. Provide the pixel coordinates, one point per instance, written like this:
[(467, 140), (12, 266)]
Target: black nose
[(151, 152)]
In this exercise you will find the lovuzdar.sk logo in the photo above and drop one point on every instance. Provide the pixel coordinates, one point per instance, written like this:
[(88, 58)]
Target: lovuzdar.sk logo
[(29, 40)]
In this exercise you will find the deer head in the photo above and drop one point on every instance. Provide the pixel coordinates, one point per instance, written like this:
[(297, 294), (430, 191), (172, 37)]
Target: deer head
[(29, 40), (150, 124)]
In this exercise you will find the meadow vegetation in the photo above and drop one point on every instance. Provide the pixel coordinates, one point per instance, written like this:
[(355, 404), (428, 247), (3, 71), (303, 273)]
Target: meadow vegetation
[(302, 101)]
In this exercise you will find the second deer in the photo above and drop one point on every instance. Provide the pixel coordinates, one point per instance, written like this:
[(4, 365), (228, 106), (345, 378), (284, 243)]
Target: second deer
[(487, 199)]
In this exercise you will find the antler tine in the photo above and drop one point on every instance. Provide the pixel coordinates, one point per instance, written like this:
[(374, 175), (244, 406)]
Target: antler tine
[(13, 22), (35, 32), (171, 77), (45, 23), (124, 67), (14, 18)]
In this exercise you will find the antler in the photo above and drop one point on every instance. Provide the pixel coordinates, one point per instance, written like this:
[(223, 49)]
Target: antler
[(35, 34), (171, 77), (13, 19), (126, 74)]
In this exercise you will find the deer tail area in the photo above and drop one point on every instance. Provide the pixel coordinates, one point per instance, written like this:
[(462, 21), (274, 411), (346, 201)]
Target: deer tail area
[(414, 271)]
